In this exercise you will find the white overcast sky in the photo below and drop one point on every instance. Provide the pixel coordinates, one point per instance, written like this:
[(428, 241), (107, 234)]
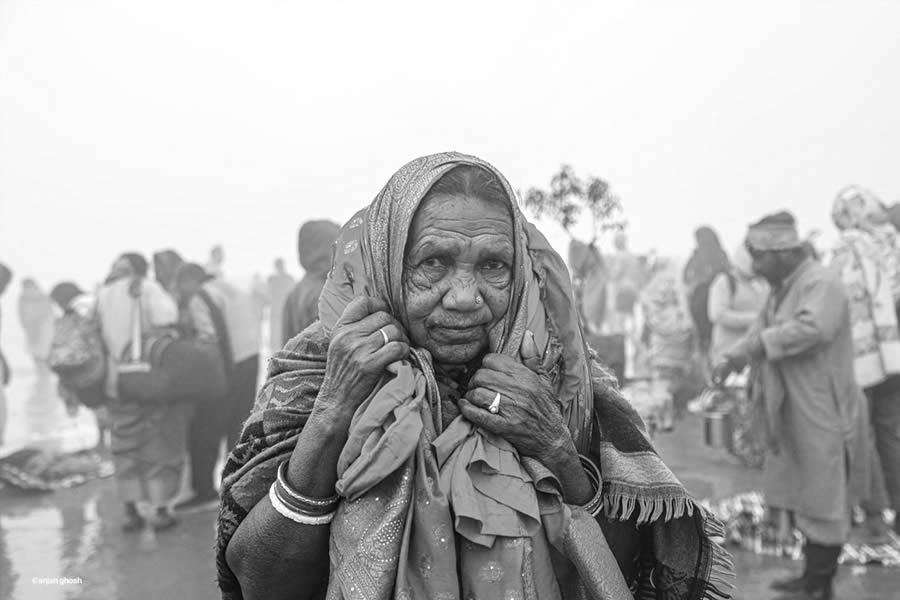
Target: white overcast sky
[(144, 125)]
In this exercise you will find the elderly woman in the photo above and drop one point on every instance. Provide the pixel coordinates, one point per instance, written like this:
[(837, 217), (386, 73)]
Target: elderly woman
[(422, 439)]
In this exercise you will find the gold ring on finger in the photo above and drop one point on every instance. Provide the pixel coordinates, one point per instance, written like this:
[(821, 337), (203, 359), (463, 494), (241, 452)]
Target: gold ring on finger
[(494, 408), (384, 335)]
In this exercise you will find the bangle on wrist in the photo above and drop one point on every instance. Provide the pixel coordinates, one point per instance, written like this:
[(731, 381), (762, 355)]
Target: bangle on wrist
[(595, 504), (296, 516), (308, 510)]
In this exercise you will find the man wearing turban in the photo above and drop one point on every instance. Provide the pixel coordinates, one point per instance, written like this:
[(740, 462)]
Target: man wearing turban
[(802, 346)]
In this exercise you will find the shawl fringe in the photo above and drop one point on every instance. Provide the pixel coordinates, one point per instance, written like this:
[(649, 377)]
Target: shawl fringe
[(620, 502)]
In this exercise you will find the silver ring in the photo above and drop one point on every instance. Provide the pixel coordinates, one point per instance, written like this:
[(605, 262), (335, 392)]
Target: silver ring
[(384, 334), (494, 408)]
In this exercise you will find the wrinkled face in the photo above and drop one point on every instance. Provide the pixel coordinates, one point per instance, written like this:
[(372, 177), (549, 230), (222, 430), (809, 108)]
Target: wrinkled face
[(457, 275)]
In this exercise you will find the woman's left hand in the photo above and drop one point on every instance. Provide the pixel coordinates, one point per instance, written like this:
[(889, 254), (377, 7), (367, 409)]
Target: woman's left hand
[(529, 415)]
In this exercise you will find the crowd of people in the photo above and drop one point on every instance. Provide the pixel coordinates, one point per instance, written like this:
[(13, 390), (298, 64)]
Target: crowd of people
[(815, 334), (151, 442), (435, 368)]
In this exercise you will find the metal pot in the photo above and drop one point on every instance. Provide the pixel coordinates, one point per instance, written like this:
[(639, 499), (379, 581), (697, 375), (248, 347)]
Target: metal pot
[(718, 429)]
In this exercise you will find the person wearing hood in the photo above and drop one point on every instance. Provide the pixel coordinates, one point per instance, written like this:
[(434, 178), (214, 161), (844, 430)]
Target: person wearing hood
[(314, 244), (735, 298)]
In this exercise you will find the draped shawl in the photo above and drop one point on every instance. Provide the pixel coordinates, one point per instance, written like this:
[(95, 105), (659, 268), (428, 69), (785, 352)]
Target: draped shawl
[(403, 469)]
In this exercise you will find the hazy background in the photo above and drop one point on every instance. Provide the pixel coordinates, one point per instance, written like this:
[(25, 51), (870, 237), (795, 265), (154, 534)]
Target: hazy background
[(145, 125)]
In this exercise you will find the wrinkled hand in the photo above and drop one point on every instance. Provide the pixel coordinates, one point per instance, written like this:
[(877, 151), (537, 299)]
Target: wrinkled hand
[(357, 354), (530, 417)]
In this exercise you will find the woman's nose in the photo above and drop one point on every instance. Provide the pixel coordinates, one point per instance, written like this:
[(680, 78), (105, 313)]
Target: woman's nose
[(463, 295)]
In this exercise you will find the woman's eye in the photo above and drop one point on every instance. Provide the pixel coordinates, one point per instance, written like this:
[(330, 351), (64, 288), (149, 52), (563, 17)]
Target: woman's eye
[(433, 263), (492, 266)]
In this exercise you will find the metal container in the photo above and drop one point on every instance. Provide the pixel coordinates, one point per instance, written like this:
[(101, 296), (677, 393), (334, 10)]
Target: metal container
[(718, 430)]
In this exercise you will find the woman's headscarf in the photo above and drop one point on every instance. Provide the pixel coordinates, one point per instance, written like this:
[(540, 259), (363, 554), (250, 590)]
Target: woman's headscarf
[(708, 259), (369, 257), (865, 226)]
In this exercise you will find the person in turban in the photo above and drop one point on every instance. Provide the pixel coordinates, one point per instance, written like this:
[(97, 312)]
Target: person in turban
[(802, 349)]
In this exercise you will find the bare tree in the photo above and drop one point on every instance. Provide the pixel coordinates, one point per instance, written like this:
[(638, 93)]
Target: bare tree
[(569, 196)]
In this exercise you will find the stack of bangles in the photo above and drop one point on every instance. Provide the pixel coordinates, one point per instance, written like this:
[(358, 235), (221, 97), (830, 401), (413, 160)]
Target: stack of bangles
[(595, 504), (291, 504)]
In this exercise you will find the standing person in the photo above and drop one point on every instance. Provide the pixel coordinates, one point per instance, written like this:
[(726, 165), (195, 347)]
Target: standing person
[(803, 342), (708, 260), (216, 264), (867, 257), (202, 317), (736, 297), (5, 279), (36, 317), (279, 285), (314, 248), (148, 439), (216, 310), (668, 332), (72, 299)]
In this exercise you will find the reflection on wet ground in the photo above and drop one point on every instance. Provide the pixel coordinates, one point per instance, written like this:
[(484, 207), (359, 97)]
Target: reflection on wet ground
[(75, 534)]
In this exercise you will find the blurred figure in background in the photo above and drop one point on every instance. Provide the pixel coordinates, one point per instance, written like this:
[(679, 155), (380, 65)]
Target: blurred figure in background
[(668, 333), (5, 279), (736, 297), (867, 257), (148, 439), (218, 311), (70, 298), (165, 265), (707, 261), (803, 346), (314, 247), (36, 317), (215, 266), (279, 285)]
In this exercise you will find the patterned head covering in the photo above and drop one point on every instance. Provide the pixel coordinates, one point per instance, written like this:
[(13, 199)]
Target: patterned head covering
[(774, 232), (858, 208), (369, 257)]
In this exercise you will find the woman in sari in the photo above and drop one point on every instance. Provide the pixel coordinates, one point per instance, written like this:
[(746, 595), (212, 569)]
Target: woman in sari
[(867, 256), (441, 431)]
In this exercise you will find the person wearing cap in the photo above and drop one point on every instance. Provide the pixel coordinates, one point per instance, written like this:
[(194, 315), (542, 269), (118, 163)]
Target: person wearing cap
[(803, 346)]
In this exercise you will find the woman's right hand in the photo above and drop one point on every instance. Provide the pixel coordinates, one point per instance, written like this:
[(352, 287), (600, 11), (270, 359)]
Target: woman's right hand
[(357, 354)]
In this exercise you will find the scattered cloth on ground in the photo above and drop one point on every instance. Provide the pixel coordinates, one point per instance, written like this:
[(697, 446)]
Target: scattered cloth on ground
[(40, 470), (746, 526)]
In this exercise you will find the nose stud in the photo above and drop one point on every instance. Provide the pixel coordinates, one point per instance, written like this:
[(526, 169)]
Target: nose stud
[(478, 300)]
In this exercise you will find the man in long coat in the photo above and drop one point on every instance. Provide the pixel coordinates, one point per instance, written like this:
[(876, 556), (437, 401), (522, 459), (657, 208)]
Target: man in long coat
[(803, 345)]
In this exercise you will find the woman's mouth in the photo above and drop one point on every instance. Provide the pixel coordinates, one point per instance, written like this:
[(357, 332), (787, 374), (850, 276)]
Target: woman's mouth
[(456, 334)]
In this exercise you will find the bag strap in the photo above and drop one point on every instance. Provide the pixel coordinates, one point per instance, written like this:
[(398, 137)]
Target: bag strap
[(221, 328), (136, 330)]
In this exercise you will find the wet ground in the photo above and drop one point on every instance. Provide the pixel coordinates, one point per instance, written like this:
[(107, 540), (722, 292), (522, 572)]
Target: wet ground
[(67, 545)]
